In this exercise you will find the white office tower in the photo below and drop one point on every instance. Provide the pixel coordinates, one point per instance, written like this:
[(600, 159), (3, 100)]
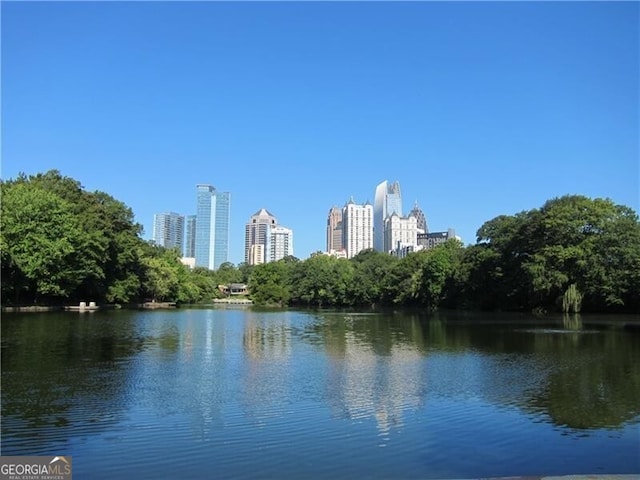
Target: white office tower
[(357, 227), (281, 243), (400, 234), (388, 200)]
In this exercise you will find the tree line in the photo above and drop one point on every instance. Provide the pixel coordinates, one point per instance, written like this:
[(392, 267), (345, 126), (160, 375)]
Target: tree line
[(60, 243)]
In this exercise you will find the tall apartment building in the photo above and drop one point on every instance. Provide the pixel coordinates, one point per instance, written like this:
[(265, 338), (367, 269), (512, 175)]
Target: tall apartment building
[(258, 232), (265, 240), (256, 255), (212, 227), (400, 233), (280, 243), (168, 230), (388, 200), (190, 237), (357, 227), (334, 230)]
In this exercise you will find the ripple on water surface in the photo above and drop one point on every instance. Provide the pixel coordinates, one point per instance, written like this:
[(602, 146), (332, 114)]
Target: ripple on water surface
[(202, 394)]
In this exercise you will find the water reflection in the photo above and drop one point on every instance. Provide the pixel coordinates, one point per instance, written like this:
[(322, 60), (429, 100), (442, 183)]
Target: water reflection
[(265, 375), (55, 380), (595, 382), (375, 368), (582, 378), (572, 321), (233, 383)]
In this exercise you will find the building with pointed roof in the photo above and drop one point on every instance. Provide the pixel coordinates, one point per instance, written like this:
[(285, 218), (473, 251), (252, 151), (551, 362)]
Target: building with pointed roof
[(256, 238), (417, 212), (265, 240)]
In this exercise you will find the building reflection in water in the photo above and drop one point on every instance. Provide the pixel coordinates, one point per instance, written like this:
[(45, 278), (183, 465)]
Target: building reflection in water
[(364, 383), (266, 376), (346, 369)]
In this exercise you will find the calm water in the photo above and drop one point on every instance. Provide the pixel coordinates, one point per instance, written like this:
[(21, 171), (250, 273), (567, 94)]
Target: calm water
[(245, 394)]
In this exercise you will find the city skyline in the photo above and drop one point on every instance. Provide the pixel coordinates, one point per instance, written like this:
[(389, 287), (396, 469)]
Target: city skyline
[(479, 109), (266, 240)]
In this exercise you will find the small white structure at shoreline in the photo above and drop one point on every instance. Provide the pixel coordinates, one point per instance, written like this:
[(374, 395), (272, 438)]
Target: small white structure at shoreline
[(83, 307)]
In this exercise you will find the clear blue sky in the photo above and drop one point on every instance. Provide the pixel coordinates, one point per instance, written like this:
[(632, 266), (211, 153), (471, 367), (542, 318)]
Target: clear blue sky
[(477, 109)]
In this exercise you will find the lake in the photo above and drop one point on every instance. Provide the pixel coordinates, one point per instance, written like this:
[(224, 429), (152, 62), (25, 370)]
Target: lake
[(243, 393)]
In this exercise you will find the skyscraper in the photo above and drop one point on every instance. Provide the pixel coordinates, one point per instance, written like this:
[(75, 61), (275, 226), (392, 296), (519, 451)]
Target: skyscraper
[(257, 232), (256, 255), (334, 230), (205, 225), (280, 243), (357, 227), (168, 230), (221, 247), (388, 200), (422, 220), (190, 237), (211, 227)]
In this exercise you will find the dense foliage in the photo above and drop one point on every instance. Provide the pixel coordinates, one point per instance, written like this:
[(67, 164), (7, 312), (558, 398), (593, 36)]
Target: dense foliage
[(572, 254), (62, 244)]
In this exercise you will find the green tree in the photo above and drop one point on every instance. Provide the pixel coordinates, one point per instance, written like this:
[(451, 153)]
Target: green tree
[(479, 280), (401, 285), (227, 273), (370, 271), (322, 280), (438, 272), (166, 279), (269, 283), (206, 283), (40, 240), (592, 243)]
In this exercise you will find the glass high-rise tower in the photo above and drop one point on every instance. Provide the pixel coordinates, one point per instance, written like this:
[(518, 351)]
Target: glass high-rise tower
[(387, 201), (205, 225), (190, 237), (221, 247), (168, 230), (212, 227)]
